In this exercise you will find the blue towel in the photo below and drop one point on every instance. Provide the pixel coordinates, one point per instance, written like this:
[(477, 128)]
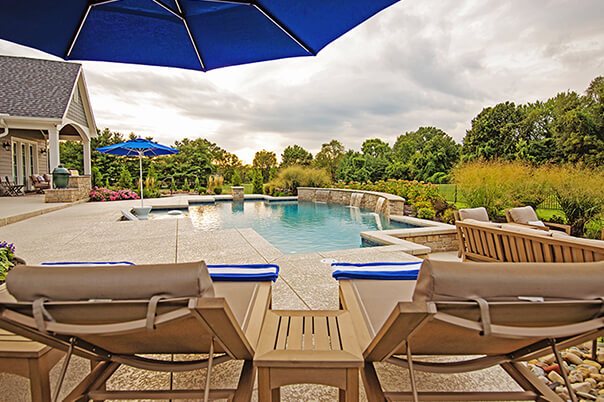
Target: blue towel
[(89, 264), (245, 272), (376, 270)]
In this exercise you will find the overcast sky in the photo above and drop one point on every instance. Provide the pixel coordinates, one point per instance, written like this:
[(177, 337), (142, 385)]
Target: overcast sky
[(417, 63)]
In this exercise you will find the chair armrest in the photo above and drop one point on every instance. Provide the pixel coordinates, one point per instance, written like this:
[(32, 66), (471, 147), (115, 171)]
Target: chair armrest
[(565, 228)]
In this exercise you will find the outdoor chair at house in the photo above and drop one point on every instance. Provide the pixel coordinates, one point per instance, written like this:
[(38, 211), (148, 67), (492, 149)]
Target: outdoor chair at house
[(112, 315), (471, 215), (527, 216), (495, 312), (496, 242), (39, 183), (11, 188)]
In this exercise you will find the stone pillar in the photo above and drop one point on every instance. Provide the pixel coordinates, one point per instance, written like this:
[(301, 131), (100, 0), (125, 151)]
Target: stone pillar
[(237, 193), (86, 156), (53, 142)]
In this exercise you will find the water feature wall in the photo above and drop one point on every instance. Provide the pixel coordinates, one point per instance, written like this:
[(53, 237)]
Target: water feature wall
[(387, 204)]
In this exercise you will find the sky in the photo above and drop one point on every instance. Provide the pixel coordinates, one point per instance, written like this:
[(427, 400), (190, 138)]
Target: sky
[(417, 63)]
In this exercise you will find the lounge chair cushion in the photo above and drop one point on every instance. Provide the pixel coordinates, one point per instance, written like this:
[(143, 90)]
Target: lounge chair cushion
[(376, 270), (479, 214), (526, 230), (523, 214), (447, 280), (483, 223), (138, 282)]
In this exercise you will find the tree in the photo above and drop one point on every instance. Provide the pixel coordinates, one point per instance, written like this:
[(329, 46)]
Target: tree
[(194, 159), (264, 160), (236, 178), (295, 155), (494, 133), (426, 154), (125, 178), (376, 148), (329, 157), (352, 167), (257, 187), (227, 163)]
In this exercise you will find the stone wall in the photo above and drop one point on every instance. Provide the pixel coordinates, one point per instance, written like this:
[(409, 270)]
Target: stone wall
[(387, 204), (78, 188), (437, 242)]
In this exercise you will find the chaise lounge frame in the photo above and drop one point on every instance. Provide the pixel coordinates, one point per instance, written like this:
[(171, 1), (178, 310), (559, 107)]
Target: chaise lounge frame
[(206, 325), (443, 327), (480, 242)]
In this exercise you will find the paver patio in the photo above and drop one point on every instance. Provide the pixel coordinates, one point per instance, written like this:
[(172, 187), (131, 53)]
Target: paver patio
[(93, 232)]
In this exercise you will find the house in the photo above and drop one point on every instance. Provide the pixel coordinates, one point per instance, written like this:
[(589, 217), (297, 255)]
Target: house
[(41, 103)]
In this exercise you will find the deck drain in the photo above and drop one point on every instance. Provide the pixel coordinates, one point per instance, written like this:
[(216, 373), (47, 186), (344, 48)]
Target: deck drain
[(328, 260)]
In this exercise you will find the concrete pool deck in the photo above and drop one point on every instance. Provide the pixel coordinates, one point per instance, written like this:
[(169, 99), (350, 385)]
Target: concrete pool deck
[(92, 232)]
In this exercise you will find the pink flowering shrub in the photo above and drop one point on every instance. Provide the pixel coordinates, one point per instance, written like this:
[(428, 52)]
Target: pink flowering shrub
[(104, 194)]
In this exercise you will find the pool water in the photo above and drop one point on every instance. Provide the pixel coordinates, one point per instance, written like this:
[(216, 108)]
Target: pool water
[(294, 227)]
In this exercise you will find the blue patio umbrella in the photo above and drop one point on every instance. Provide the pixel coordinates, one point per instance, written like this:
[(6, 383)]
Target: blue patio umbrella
[(191, 34), (140, 147)]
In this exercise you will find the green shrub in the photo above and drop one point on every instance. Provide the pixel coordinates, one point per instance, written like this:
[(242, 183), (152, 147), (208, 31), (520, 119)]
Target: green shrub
[(96, 179), (579, 193), (196, 185), (217, 190), (125, 178), (257, 186), (202, 190), (448, 216), (172, 184), (289, 179), (426, 213), (236, 179), (185, 186)]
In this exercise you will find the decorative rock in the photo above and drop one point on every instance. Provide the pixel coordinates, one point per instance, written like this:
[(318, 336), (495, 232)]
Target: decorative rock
[(555, 377), (587, 369), (562, 392), (545, 379), (573, 358), (538, 371), (601, 357), (597, 377), (575, 376), (593, 363), (601, 392), (576, 352), (549, 359), (592, 382), (586, 396), (581, 387), (553, 367)]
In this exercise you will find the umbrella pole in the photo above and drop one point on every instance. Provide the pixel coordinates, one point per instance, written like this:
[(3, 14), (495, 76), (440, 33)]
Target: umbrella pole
[(140, 168)]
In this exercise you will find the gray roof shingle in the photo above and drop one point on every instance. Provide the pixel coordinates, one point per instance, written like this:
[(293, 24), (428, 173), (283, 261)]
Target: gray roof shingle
[(34, 87)]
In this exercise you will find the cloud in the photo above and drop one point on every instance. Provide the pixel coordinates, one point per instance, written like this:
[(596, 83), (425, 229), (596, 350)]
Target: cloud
[(417, 63)]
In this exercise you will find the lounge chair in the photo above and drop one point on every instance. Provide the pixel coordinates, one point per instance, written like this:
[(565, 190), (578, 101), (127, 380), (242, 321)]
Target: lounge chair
[(527, 216), (39, 183), (470, 215), (503, 313), (114, 314), (490, 241)]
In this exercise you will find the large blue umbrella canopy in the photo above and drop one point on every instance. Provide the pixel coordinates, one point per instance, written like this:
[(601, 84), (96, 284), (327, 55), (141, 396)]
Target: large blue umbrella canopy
[(192, 34), (139, 147)]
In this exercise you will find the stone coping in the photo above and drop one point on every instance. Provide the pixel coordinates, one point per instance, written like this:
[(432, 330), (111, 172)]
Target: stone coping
[(388, 196), (186, 201), (397, 237)]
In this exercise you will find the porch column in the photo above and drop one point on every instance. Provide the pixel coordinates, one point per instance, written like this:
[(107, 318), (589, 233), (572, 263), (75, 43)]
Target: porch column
[(86, 148), (53, 142)]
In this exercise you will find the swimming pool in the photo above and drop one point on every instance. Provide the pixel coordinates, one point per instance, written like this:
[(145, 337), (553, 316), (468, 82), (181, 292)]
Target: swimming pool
[(294, 226)]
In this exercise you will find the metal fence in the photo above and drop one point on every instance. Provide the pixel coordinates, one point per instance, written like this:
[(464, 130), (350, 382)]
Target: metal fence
[(450, 193)]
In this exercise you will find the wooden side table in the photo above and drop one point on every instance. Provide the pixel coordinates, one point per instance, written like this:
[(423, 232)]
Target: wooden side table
[(26, 358), (308, 347)]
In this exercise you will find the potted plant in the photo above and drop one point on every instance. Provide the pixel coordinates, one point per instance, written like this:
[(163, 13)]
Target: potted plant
[(7, 259)]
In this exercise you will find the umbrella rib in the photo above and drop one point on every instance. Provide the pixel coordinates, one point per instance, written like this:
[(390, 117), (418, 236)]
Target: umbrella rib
[(273, 19), (280, 25), (83, 20), (181, 15)]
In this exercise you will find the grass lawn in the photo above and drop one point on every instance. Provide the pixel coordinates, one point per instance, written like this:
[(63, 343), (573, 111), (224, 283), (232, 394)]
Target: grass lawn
[(247, 188)]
